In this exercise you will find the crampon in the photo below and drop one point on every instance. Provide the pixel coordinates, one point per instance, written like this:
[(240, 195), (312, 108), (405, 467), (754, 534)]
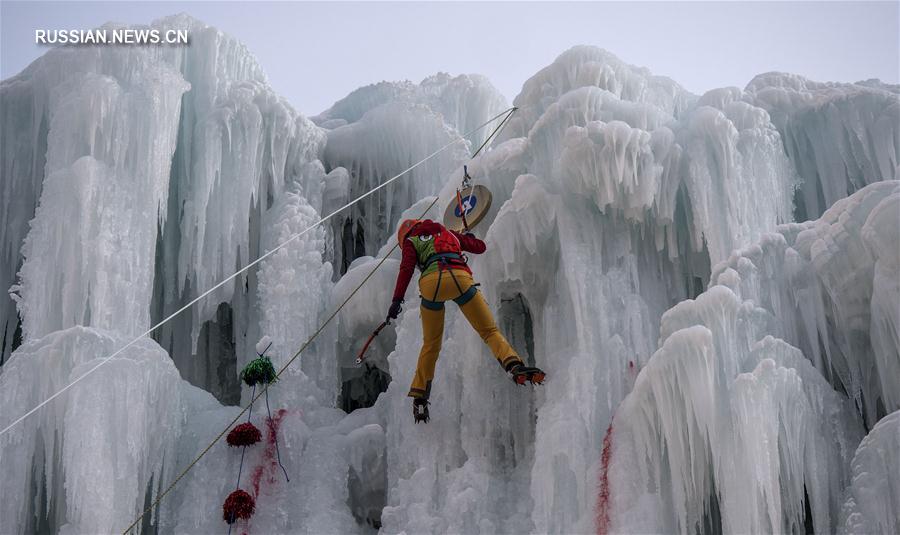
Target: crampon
[(420, 410), (522, 374)]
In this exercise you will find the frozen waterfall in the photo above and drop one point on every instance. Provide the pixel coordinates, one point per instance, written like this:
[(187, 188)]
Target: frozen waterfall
[(712, 283)]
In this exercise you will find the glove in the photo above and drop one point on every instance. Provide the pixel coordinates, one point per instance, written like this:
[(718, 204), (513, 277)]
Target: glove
[(395, 309)]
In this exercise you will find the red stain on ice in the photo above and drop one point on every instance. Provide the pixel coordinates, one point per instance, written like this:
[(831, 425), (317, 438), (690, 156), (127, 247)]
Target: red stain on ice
[(603, 497), (268, 470)]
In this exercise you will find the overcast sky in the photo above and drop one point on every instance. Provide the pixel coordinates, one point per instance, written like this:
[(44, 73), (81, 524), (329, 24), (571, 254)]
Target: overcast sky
[(316, 53)]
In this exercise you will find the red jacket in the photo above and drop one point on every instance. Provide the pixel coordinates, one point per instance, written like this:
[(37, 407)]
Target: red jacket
[(467, 242)]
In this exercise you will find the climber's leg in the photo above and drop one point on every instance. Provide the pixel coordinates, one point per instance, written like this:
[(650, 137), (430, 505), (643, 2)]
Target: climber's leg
[(432, 332), (432, 313), (479, 315)]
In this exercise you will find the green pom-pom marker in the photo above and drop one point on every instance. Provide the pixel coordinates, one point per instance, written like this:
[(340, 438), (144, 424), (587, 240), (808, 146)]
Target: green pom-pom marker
[(259, 370)]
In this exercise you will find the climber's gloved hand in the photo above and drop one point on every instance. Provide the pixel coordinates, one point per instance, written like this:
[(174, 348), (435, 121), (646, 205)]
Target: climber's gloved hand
[(395, 309)]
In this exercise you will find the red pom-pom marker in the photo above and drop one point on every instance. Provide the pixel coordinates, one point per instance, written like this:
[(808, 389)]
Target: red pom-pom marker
[(239, 504), (245, 434)]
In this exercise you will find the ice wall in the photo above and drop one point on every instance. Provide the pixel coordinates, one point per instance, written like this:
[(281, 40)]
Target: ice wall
[(194, 133), (85, 462), (617, 207), (840, 136), (117, 137), (588, 66), (379, 130), (832, 285), (730, 424), (641, 145), (618, 198), (84, 128), (463, 101), (239, 147), (386, 141), (873, 501)]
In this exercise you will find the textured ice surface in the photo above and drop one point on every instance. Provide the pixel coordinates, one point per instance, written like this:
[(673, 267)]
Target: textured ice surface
[(619, 198), (379, 130), (873, 501), (84, 463), (720, 428), (292, 282), (840, 137), (738, 425), (832, 287), (94, 128), (384, 142), (240, 146), (586, 66), (464, 101)]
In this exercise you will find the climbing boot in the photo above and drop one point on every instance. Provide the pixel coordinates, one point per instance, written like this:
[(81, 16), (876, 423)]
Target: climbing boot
[(420, 410), (522, 374)]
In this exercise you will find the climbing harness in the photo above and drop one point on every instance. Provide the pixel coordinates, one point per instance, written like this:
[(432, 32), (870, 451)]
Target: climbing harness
[(464, 295), (278, 247), (309, 340)]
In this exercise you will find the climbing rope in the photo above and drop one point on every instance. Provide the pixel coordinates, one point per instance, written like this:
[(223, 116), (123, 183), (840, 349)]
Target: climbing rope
[(251, 264), (315, 334)]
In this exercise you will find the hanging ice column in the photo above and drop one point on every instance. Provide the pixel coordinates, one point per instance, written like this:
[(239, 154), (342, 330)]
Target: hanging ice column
[(615, 197), (724, 434), (97, 129), (728, 414), (107, 118), (715, 163), (832, 284), (293, 289), (239, 146), (840, 137)]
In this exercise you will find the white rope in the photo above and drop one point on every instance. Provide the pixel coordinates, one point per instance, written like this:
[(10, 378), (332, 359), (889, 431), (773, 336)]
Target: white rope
[(245, 268), (487, 144)]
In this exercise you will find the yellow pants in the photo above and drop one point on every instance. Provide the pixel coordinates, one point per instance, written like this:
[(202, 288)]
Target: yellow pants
[(440, 287)]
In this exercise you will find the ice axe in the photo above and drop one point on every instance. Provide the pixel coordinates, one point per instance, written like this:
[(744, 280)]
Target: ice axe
[(362, 352)]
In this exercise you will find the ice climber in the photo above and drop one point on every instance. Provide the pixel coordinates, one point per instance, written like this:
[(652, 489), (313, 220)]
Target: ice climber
[(438, 253)]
